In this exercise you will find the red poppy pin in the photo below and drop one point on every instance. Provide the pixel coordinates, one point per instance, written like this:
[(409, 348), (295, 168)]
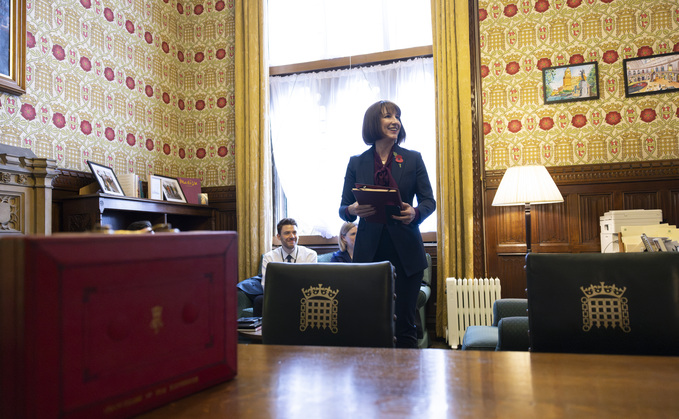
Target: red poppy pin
[(398, 159)]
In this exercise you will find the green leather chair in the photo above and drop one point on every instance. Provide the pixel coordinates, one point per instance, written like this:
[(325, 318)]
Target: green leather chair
[(329, 304), (245, 303), (604, 303), (425, 292), (509, 331)]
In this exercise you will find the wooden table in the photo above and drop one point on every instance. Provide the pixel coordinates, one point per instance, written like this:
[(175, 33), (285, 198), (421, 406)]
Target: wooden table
[(327, 382)]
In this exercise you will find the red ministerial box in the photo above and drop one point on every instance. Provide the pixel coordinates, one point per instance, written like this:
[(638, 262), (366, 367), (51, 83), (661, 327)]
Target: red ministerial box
[(95, 325)]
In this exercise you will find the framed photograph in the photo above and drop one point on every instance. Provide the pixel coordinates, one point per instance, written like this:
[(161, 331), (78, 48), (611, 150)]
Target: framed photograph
[(155, 187), (651, 75), (571, 83), (13, 46), (106, 177), (171, 189)]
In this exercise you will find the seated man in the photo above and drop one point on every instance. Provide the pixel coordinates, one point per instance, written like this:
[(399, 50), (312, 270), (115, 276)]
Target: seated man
[(289, 251)]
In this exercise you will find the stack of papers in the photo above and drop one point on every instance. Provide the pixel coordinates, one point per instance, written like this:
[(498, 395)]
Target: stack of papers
[(249, 324)]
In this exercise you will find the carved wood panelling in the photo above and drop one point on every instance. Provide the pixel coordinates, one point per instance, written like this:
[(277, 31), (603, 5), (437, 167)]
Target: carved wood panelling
[(591, 207), (25, 192), (574, 225), (72, 180), (673, 203), (642, 200), (11, 216), (511, 225), (549, 223), (602, 173), (512, 267), (224, 199)]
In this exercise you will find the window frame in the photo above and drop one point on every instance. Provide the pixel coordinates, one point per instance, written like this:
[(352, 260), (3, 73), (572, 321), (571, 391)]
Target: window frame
[(352, 61), (341, 63)]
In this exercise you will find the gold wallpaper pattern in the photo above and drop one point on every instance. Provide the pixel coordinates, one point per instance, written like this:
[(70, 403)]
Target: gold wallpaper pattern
[(520, 37), (142, 86)]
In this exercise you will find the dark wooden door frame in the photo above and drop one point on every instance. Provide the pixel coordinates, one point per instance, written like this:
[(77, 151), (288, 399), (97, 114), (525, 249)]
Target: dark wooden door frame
[(478, 166)]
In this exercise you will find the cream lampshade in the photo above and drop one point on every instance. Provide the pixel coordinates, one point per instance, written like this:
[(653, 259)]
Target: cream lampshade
[(526, 185)]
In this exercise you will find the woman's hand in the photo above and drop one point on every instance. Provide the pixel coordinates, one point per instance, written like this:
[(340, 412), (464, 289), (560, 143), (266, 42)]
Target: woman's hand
[(407, 214), (361, 210)]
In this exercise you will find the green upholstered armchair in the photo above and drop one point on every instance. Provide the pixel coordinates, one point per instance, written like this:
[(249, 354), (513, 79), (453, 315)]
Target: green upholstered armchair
[(422, 298), (325, 257), (509, 331)]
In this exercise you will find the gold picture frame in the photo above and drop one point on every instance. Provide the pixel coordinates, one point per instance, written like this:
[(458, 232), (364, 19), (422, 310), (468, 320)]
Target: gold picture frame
[(13, 40), (650, 75)]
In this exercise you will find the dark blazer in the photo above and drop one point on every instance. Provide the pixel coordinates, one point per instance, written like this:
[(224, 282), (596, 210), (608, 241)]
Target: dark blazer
[(341, 256), (412, 179)]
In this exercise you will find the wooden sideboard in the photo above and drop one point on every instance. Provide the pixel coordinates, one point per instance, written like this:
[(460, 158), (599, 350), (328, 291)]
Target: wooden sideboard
[(83, 212)]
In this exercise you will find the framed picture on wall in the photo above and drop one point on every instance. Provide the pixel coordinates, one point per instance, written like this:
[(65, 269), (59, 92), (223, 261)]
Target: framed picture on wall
[(106, 177), (651, 75), (571, 83), (13, 46)]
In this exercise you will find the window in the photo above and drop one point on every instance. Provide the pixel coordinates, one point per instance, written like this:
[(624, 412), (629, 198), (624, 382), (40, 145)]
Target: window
[(310, 30), (316, 117)]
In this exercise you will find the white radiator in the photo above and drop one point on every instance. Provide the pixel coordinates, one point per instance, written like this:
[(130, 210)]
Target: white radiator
[(470, 303)]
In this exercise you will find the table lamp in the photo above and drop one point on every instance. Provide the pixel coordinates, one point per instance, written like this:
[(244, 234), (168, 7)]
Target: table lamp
[(526, 185)]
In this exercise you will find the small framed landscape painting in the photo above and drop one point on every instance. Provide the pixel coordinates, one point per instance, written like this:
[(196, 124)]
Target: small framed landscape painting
[(651, 75), (571, 83)]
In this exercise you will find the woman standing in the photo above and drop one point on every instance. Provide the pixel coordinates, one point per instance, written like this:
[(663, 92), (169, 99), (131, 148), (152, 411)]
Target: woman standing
[(388, 164)]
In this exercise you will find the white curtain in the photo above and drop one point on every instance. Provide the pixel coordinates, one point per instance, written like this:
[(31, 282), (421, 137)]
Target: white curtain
[(310, 30), (316, 121)]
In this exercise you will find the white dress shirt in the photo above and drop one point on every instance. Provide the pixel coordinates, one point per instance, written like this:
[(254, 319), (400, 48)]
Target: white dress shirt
[(301, 254)]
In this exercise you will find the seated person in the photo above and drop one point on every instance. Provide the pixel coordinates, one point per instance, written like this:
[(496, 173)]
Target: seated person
[(289, 251), (346, 240)]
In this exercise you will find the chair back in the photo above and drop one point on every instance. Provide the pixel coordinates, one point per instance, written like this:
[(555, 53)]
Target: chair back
[(609, 303), (325, 258), (329, 304)]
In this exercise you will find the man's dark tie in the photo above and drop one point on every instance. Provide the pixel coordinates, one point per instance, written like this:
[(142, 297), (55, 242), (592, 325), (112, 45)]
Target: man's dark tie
[(289, 258)]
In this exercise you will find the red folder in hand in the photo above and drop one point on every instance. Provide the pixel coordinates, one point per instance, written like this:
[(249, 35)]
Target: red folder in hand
[(386, 200)]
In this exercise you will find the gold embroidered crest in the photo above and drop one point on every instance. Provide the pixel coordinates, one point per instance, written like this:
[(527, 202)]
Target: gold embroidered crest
[(318, 308), (156, 319), (604, 306)]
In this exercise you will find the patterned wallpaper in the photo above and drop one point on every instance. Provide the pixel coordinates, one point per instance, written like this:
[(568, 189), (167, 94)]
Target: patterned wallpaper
[(143, 86), (520, 37), (146, 86)]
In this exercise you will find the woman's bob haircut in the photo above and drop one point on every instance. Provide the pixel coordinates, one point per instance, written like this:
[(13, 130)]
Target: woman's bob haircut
[(372, 121)]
